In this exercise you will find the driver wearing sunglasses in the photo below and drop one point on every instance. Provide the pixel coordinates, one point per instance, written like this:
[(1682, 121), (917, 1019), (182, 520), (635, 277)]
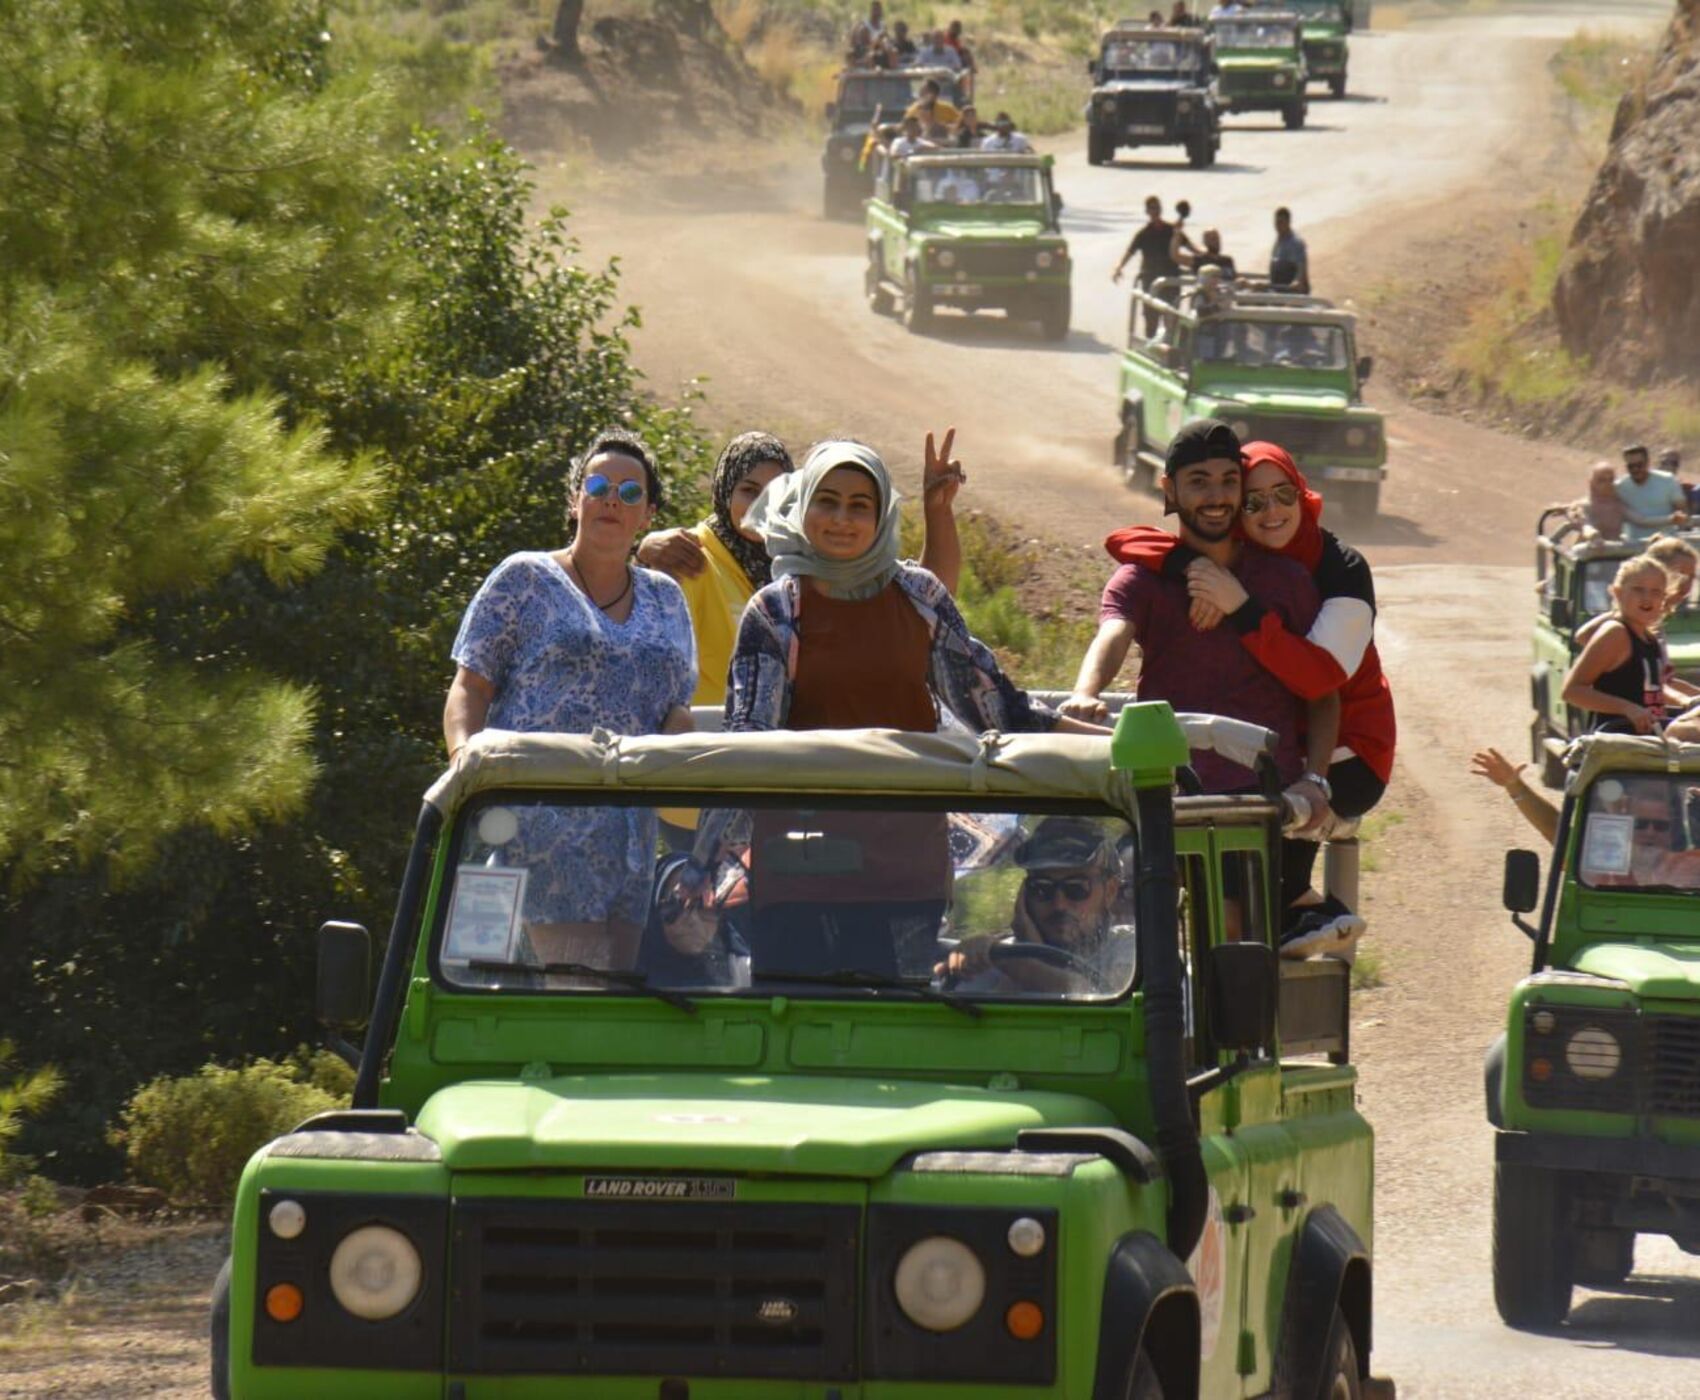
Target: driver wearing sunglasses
[(1067, 906)]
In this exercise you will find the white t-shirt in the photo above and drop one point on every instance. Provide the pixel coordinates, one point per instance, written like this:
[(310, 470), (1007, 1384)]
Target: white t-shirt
[(1015, 143), (1651, 501)]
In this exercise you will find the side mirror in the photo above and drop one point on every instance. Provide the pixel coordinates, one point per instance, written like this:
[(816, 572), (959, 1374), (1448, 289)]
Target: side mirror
[(1522, 890), (831, 110), (1245, 984), (344, 994), (1092, 69), (1365, 367), (1559, 614), (1056, 207)]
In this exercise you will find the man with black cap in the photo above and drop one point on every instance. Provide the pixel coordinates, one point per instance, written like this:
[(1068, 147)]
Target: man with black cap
[(1065, 910), (1206, 671), (1651, 500)]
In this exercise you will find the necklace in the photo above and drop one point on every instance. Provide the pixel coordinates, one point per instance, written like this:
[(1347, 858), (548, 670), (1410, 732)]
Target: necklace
[(613, 602)]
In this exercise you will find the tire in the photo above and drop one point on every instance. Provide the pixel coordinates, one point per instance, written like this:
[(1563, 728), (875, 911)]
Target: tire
[(1604, 1258), (1363, 502), (1493, 1081), (1294, 115), (1337, 86), (873, 284), (1550, 766), (220, 1329), (917, 305), (1199, 152), (1342, 1376), (1100, 150), (1533, 1259), (1136, 475), (1053, 325)]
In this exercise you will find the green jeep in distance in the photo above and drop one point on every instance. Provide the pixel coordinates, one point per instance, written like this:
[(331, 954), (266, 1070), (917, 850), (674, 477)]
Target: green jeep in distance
[(1594, 1087), (1261, 64), (866, 96), (1323, 26), (1153, 87), (1276, 367), (1574, 579), (973, 230), (827, 1162)]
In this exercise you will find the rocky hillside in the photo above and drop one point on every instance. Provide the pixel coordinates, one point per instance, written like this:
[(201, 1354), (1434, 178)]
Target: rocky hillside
[(1628, 295)]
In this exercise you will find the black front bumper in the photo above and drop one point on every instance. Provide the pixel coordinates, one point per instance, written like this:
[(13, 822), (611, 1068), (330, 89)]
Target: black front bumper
[(1605, 1156)]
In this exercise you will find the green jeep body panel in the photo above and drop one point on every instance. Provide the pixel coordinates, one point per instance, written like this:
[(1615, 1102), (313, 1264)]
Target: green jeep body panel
[(1574, 577), (984, 253), (609, 1132), (1323, 26), (866, 96), (1261, 65), (1153, 87), (1240, 366), (1594, 1088)]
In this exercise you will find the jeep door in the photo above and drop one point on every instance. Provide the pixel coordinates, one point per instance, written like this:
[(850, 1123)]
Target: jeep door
[(1154, 376), (886, 222)]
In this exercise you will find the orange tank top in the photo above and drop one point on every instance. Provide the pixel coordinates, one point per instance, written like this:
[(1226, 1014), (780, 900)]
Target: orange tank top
[(862, 664)]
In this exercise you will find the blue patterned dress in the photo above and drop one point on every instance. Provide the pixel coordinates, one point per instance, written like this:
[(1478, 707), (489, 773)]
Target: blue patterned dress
[(560, 665)]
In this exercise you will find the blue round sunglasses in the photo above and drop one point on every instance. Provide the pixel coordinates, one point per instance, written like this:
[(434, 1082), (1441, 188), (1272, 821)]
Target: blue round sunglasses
[(598, 487)]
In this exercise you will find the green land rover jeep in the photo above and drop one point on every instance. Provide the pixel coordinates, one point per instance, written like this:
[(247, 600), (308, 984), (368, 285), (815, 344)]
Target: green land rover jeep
[(1573, 578), (1280, 368), (1323, 26), (1261, 63), (973, 230), (1594, 1088), (942, 1066), (867, 96), (1153, 87)]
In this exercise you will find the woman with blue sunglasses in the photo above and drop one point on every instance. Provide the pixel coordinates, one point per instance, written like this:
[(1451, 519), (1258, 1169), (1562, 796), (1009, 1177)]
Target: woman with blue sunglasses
[(567, 641)]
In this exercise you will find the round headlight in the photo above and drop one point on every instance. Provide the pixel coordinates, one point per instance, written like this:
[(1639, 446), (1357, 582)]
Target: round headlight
[(946, 258), (1043, 260), (1242, 429), (1026, 1237), (940, 1283), (1183, 104), (1593, 1053), (847, 153), (1355, 437), (375, 1272), (1280, 80)]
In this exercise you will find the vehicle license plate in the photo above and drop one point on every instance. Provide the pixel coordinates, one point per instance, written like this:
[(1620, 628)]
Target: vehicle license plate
[(1144, 129), (959, 289), (1352, 473)]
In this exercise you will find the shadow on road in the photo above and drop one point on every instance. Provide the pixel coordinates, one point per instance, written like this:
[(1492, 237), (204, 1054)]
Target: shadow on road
[(1371, 98), (1002, 333), (1305, 130), (1222, 167), (1384, 529), (1651, 1314)]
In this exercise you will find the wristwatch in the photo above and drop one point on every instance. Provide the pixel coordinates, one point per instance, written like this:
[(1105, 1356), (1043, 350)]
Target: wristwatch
[(1321, 782)]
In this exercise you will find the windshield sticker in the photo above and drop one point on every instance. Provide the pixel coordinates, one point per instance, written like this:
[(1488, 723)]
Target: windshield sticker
[(484, 914), (660, 1188), (1607, 849)]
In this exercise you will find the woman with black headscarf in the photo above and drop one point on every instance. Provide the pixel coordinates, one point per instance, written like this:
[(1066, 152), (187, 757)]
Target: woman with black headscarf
[(720, 566)]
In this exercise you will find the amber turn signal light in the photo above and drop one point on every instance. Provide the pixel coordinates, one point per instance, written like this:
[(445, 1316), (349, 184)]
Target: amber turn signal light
[(1540, 1070), (283, 1302), (1025, 1321)]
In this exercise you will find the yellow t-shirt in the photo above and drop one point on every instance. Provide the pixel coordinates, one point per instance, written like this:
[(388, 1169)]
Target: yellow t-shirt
[(716, 598)]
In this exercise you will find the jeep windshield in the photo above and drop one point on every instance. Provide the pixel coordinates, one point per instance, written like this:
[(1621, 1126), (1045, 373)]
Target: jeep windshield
[(859, 899), (979, 184), (1255, 34), (1149, 56), (893, 92), (1325, 11), (1271, 344), (1641, 831)]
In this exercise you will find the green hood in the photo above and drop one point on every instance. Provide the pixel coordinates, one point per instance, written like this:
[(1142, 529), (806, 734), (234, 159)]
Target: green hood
[(1654, 972), (802, 1125), (1329, 401), (1256, 63), (984, 231)]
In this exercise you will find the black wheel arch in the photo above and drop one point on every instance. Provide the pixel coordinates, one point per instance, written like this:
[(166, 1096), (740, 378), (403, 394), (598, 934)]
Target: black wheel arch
[(1150, 1301), (1330, 1269)]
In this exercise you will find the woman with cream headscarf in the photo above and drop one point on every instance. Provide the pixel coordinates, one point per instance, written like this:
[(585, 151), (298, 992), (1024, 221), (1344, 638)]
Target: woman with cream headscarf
[(847, 635)]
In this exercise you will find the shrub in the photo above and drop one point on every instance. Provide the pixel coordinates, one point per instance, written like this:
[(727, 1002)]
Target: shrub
[(20, 1093), (192, 1135)]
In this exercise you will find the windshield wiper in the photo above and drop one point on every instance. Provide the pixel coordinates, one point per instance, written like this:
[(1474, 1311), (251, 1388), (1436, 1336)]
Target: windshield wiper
[(614, 977), (874, 981)]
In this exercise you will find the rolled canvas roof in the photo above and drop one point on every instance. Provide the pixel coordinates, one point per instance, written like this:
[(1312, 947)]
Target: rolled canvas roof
[(1594, 754), (818, 760)]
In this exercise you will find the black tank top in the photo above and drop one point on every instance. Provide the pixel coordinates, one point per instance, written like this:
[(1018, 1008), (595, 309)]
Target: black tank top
[(1640, 678)]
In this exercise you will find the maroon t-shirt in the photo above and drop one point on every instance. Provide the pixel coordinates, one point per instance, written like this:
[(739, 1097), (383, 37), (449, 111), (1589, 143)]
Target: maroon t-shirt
[(1212, 672)]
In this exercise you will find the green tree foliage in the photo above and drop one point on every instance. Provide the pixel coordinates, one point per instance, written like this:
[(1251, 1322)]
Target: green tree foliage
[(182, 241), (21, 1092), (461, 391), (191, 1136)]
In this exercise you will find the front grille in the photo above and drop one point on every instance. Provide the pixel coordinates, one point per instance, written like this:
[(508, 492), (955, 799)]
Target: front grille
[(1673, 1061), (1305, 436), (684, 1289), (1145, 109), (1015, 260)]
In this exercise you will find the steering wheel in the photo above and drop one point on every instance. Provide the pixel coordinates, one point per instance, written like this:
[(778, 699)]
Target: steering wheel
[(1046, 954)]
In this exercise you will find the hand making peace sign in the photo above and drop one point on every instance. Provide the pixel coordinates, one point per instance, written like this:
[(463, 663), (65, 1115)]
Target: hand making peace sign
[(942, 478)]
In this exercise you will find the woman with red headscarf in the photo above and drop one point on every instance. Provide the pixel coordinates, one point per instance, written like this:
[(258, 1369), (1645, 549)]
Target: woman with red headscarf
[(1281, 513)]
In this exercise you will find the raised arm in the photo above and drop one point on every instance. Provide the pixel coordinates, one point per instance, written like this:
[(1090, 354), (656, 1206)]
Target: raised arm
[(1099, 668), (941, 549)]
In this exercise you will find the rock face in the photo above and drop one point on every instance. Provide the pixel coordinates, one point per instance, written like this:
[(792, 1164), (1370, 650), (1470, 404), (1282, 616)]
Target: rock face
[(1628, 294)]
